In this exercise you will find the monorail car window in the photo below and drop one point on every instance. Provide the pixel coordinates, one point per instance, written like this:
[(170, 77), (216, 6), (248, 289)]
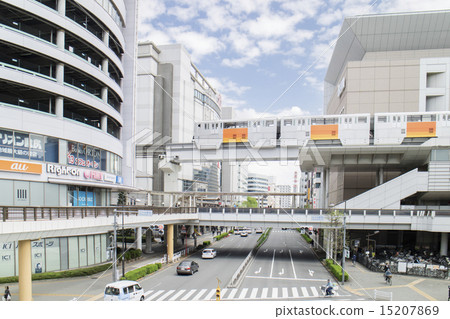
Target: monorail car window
[(382, 119), (362, 119), (269, 123), (287, 122)]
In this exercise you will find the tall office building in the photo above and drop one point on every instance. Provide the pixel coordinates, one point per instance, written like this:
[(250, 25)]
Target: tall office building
[(389, 63), (258, 183), (67, 101), (284, 201), (172, 95)]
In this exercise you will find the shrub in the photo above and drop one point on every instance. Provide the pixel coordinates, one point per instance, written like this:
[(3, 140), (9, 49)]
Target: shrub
[(206, 243), (336, 270), (142, 271), (61, 274)]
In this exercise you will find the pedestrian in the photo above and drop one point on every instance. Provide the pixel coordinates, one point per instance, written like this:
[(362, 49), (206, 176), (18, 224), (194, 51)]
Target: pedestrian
[(7, 295)]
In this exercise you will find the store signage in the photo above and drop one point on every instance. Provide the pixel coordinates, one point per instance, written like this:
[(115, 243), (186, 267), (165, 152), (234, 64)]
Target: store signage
[(20, 167), (98, 176), (109, 178), (59, 170)]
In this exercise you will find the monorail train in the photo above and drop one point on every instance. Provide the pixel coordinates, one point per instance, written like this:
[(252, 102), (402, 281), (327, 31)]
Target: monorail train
[(345, 129)]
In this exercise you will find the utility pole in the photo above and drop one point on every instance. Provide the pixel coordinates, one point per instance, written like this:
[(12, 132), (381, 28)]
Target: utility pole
[(123, 245), (115, 248), (343, 253)]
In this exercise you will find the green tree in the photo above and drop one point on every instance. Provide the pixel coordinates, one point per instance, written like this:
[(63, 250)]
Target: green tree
[(335, 232), (250, 203), (121, 198)]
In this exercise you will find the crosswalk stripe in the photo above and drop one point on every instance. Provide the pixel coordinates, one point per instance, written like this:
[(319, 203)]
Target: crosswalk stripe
[(274, 292), (190, 293), (243, 293), (167, 294), (147, 293), (210, 295), (284, 292), (295, 292), (264, 293), (314, 292), (178, 294), (305, 292), (232, 293), (223, 292), (197, 297), (156, 294), (254, 292)]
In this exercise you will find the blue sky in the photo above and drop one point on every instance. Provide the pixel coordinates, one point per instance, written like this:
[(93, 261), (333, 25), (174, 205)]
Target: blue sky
[(252, 51), (265, 57)]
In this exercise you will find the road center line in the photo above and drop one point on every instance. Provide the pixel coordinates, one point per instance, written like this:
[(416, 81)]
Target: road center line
[(292, 263)]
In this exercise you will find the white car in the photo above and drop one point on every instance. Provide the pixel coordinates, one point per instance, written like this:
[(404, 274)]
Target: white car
[(124, 290), (208, 253), (259, 230), (244, 234)]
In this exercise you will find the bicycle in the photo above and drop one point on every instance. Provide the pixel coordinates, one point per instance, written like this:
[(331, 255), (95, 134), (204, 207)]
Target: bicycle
[(388, 279)]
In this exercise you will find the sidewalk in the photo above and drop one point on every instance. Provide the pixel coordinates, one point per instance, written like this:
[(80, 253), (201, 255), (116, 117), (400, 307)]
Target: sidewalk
[(364, 283)]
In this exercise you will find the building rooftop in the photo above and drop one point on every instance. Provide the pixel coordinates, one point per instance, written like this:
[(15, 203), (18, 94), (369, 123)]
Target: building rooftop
[(388, 32)]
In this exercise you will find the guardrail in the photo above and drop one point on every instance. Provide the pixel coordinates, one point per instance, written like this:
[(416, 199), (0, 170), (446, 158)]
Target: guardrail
[(15, 213)]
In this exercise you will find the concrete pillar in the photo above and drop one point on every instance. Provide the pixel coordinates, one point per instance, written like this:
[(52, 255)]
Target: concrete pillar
[(61, 39), (25, 286), (60, 73), (444, 244), (148, 241), (105, 66), (59, 107), (104, 123), (106, 37), (104, 94), (400, 238), (380, 174), (139, 238), (61, 7), (169, 242)]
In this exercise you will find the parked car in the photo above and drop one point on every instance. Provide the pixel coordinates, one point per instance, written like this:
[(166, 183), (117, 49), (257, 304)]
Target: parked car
[(259, 230), (187, 267), (244, 234), (124, 290), (209, 253), (248, 230)]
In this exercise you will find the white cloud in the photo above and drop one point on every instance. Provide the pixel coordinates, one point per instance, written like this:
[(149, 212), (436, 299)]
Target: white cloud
[(251, 113), (228, 86)]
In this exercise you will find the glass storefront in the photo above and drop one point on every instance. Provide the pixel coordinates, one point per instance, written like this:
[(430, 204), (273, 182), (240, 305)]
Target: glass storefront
[(49, 255)]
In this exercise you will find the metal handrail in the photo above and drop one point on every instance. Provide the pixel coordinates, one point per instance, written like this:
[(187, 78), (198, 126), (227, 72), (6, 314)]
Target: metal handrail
[(38, 213)]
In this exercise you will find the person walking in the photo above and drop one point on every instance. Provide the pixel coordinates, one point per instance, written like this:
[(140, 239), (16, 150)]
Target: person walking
[(7, 295)]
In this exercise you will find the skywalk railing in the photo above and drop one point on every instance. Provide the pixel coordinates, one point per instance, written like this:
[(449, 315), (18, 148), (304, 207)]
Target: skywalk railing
[(16, 213)]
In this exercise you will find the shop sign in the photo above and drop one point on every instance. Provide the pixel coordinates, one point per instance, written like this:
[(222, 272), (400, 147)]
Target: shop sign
[(20, 167), (98, 176), (59, 170), (119, 180), (109, 178)]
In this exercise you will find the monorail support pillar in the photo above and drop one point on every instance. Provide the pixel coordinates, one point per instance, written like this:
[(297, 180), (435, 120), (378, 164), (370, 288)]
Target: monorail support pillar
[(169, 243), (444, 244), (25, 286)]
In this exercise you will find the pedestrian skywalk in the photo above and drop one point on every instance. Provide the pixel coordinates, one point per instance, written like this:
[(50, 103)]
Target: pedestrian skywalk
[(238, 294)]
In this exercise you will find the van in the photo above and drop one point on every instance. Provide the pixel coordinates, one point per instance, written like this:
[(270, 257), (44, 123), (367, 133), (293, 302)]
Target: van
[(124, 290)]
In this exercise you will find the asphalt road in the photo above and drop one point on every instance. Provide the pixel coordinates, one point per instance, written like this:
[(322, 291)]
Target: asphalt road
[(167, 285)]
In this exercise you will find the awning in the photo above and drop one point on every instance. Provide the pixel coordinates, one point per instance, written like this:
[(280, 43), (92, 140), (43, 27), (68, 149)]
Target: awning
[(91, 184)]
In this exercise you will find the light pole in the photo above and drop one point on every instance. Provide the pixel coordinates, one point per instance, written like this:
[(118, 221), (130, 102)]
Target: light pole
[(115, 248), (343, 252), (124, 249)]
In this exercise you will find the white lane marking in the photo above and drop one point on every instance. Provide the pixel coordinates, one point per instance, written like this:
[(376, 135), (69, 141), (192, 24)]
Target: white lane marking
[(287, 278), (292, 263), (314, 292), (295, 292), (243, 293), (311, 272), (147, 293), (167, 294), (211, 295), (253, 294), (274, 292), (232, 293), (284, 293), (178, 294), (258, 271), (190, 293), (305, 292), (223, 292), (197, 297), (156, 294), (282, 272), (273, 261), (264, 293)]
